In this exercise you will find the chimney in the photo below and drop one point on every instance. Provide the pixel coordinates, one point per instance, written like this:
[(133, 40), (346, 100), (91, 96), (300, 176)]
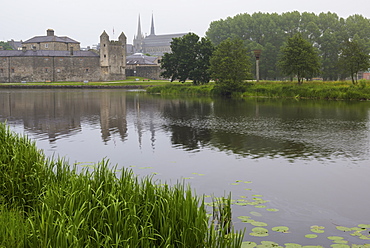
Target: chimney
[(71, 50), (50, 32)]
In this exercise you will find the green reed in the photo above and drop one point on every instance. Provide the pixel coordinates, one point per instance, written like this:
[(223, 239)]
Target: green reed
[(99, 208)]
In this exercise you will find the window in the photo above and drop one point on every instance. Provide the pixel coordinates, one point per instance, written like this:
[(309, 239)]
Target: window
[(58, 70), (1, 70), (46, 45), (87, 70), (60, 59), (46, 70), (12, 70), (105, 56)]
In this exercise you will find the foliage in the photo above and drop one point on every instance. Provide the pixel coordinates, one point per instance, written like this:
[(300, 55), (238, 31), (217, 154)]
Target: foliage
[(230, 66), (299, 58), (338, 90), (353, 58), (97, 208), (5, 45), (269, 31), (189, 59)]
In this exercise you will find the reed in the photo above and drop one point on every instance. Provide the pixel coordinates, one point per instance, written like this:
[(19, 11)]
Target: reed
[(98, 208)]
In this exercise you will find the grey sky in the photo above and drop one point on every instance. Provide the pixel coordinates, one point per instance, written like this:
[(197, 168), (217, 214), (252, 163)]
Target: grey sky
[(85, 20)]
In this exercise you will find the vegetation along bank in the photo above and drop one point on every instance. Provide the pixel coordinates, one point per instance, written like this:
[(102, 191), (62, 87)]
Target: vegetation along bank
[(45, 203)]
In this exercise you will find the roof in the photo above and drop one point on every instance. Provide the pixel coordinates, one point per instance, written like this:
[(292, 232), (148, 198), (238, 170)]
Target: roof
[(46, 53), (40, 39), (160, 40), (141, 59)]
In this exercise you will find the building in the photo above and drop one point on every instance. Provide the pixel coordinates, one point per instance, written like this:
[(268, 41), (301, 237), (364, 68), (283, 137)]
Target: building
[(153, 44), (140, 65), (52, 58)]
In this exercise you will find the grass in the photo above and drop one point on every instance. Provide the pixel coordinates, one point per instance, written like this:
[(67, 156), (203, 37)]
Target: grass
[(337, 90), (46, 203)]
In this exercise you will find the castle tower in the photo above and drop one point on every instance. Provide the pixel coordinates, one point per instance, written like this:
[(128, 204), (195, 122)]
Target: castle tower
[(138, 39), (112, 58)]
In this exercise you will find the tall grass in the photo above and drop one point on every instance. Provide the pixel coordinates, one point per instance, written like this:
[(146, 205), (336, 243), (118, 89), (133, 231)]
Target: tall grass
[(97, 208), (338, 90)]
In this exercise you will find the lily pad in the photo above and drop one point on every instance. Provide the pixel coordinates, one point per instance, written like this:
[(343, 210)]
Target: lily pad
[(317, 229), (272, 209), (335, 238), (292, 245), (268, 244), (311, 236), (364, 226), (340, 246), (282, 229), (248, 244), (241, 203), (259, 232), (343, 228), (260, 206), (255, 214), (258, 223)]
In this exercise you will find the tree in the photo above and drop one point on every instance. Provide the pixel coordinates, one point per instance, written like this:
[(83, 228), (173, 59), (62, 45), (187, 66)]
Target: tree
[(230, 66), (5, 45), (189, 59), (299, 58), (353, 58)]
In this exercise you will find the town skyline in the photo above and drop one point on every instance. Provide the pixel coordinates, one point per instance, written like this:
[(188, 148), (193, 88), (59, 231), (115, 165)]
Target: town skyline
[(85, 20)]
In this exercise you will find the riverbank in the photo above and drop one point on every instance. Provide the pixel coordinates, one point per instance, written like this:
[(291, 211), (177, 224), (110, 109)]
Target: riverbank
[(336, 90), (46, 203)]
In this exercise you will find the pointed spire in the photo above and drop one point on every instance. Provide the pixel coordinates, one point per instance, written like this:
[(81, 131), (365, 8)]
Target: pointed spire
[(139, 33), (152, 27)]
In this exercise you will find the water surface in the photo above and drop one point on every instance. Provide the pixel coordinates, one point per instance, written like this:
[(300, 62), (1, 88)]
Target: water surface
[(308, 159)]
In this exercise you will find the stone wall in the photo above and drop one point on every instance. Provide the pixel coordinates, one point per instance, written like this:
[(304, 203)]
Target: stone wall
[(151, 72), (52, 46), (53, 69)]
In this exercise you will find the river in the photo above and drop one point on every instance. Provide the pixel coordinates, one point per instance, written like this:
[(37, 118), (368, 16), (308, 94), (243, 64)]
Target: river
[(302, 164)]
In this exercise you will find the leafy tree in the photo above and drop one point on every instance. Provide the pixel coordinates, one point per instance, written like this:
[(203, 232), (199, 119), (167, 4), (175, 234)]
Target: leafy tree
[(230, 66), (5, 45), (299, 58), (189, 59), (353, 58)]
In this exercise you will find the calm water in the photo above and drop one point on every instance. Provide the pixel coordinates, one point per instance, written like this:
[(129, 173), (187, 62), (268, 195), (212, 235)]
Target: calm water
[(308, 159)]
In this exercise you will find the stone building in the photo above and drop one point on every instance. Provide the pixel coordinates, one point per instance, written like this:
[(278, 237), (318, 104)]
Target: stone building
[(140, 65), (51, 59), (153, 44)]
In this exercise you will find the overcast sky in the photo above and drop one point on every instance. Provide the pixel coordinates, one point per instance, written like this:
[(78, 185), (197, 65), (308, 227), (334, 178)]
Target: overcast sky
[(85, 20)]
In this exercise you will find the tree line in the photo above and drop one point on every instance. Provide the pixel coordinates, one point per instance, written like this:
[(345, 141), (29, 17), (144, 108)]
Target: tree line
[(326, 32)]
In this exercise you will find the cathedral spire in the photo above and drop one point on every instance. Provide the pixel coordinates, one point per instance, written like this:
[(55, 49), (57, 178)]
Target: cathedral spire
[(139, 33), (152, 27)]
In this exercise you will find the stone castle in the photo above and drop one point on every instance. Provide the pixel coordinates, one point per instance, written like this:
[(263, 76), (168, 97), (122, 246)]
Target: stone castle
[(52, 58)]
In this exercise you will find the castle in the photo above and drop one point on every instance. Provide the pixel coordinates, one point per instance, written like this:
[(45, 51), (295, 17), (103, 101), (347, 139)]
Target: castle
[(52, 58)]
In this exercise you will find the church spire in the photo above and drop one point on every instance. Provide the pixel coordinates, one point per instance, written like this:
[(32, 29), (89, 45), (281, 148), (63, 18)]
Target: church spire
[(152, 27), (139, 33)]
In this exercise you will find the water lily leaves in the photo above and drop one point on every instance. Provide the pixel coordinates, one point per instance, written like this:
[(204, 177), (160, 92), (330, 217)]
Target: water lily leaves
[(258, 223), (268, 244), (311, 236), (241, 203), (255, 214), (257, 195), (343, 228), (244, 218), (335, 238), (282, 229), (272, 209), (248, 244), (292, 245), (364, 226), (259, 232), (260, 206), (317, 229), (340, 246)]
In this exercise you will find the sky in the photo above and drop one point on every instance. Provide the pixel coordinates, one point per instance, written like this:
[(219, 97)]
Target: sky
[(85, 20)]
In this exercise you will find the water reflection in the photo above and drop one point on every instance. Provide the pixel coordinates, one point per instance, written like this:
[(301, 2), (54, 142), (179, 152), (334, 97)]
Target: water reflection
[(251, 127)]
